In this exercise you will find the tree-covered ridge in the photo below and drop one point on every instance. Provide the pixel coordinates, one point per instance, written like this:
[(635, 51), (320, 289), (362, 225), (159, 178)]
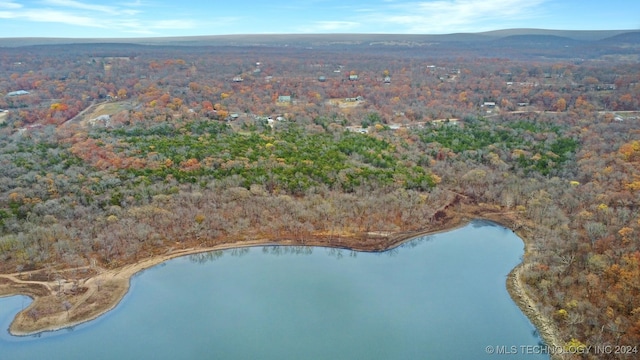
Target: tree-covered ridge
[(289, 160), (526, 145)]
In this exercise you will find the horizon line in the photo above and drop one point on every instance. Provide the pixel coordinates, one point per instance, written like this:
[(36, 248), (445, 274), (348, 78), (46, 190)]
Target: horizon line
[(319, 33)]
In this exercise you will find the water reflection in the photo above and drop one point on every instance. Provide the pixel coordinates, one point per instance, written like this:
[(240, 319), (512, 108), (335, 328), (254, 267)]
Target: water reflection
[(205, 257), (239, 252), (275, 250), (417, 241), (285, 250), (279, 250), (476, 224), (335, 253)]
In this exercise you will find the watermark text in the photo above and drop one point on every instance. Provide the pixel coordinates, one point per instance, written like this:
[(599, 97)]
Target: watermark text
[(553, 350)]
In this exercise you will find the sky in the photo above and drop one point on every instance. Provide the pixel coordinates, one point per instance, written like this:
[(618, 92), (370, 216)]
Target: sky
[(160, 18)]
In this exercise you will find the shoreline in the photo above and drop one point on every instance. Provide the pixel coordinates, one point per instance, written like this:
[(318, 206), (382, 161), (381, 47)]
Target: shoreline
[(112, 285), (546, 330), (525, 302), (124, 273)]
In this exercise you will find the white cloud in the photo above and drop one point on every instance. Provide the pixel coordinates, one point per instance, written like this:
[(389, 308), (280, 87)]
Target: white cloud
[(9, 5), (171, 24), (330, 26), (54, 16), (455, 15), (136, 3), (129, 18), (130, 12), (82, 6), (428, 16), (381, 16)]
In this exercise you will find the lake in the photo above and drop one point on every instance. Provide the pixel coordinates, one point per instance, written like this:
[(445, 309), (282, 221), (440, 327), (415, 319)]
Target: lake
[(441, 296)]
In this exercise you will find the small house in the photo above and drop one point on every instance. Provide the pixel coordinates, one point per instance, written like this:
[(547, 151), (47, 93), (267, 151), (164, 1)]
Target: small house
[(18, 93), (489, 104), (284, 98), (387, 79), (353, 77), (322, 78)]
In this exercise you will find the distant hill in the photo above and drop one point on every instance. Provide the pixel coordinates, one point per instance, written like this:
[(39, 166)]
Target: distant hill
[(326, 39), (511, 43), (536, 41), (624, 38), (584, 35)]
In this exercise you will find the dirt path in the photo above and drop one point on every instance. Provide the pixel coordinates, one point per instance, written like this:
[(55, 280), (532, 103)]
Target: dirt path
[(14, 279), (81, 113)]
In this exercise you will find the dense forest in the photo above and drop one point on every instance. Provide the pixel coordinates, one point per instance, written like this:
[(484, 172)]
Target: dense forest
[(114, 153)]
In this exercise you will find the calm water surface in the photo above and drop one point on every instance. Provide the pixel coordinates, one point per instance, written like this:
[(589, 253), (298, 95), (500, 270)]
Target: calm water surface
[(437, 297)]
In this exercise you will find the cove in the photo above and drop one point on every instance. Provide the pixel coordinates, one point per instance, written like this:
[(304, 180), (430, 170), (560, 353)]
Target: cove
[(440, 296)]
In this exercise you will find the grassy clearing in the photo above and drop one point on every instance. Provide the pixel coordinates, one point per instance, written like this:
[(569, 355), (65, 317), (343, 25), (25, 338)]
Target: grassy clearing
[(110, 108), (344, 103)]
